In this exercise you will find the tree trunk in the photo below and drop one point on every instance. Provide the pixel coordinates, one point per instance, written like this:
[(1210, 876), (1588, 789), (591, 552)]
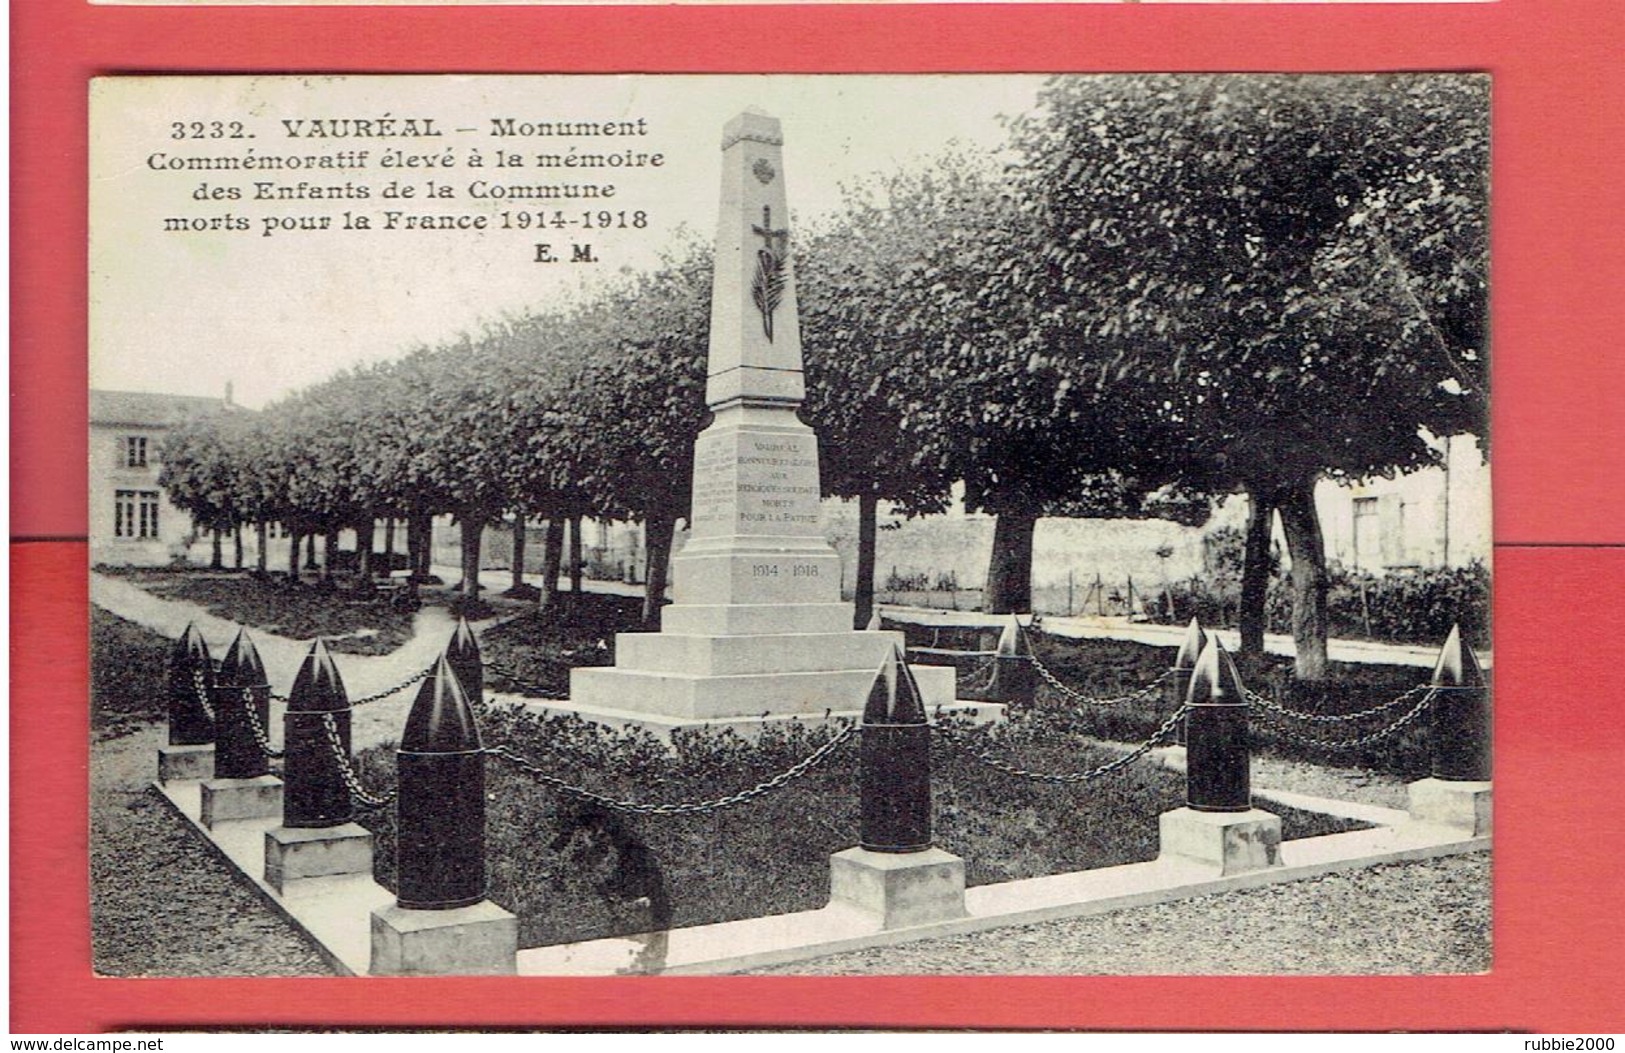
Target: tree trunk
[(473, 525), (1010, 570), (425, 555), (310, 551), (237, 545), (262, 537), (657, 533), (863, 589), (216, 562), (414, 541), (575, 554), (518, 550), (389, 546), (1307, 547), (330, 545), (1255, 569), (552, 556), (364, 531), (294, 539)]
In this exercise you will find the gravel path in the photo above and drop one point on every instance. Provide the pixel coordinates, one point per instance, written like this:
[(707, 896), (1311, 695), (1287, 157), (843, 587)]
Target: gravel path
[(161, 903), (1400, 918), (372, 724)]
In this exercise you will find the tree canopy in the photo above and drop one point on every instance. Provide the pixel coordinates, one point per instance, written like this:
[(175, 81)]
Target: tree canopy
[(1180, 286)]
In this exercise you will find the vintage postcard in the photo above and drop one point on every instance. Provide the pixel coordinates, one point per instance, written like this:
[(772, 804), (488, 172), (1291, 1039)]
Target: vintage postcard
[(604, 525)]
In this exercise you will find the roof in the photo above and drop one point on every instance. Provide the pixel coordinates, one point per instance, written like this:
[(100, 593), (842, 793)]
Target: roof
[(148, 408)]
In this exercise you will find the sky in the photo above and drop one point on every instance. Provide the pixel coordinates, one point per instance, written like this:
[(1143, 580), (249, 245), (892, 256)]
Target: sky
[(187, 312)]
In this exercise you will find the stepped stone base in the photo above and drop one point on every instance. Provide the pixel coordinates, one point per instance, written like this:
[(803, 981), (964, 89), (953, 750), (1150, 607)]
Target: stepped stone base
[(899, 888), (176, 763), (744, 619), (481, 940), (734, 655), (292, 854), (1460, 804), (227, 799), (1235, 842), (694, 697), (747, 727)]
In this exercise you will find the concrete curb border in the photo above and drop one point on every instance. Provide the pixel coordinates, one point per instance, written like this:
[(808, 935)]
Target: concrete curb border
[(334, 912)]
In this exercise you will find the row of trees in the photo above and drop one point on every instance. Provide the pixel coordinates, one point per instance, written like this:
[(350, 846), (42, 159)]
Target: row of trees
[(1179, 287)]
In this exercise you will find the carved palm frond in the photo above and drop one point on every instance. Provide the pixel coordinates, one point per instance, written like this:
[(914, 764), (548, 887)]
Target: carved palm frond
[(767, 287)]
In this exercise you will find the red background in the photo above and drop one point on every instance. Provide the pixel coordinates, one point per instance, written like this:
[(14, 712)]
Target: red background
[(1559, 430)]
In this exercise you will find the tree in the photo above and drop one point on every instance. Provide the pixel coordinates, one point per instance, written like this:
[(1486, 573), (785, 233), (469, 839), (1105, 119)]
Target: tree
[(642, 387), (1279, 278), (862, 400), (199, 474)]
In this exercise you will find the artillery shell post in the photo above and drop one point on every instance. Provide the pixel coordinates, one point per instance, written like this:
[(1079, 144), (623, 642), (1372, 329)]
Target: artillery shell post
[(1219, 826), (441, 799), (314, 793), (895, 873), (243, 786), (316, 838), (463, 655), (1015, 680), (191, 675), (1179, 677), (1459, 791), (189, 753), (441, 923)]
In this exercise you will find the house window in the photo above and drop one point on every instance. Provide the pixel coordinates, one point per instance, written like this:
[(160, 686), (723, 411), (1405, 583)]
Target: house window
[(135, 513), (1367, 539), (135, 451)]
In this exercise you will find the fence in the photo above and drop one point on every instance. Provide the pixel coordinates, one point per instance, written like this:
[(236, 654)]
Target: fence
[(1080, 594), (439, 793)]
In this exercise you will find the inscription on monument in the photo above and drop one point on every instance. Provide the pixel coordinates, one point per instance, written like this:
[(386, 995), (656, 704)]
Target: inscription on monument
[(769, 480)]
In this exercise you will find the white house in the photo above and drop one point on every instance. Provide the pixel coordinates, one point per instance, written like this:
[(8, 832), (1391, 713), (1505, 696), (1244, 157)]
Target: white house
[(131, 518)]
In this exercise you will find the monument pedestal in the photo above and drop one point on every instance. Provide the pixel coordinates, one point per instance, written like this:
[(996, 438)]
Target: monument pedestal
[(481, 940), (1235, 842), (757, 629), (1461, 804), (227, 799), (176, 763), (295, 853), (899, 888)]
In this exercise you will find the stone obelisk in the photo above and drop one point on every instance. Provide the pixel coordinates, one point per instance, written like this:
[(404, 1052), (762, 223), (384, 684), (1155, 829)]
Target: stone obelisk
[(757, 625)]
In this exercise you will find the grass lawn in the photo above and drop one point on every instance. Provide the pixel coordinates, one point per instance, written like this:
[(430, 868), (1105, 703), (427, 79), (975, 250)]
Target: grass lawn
[(1109, 669), (537, 649), (127, 675), (350, 622), (573, 875)]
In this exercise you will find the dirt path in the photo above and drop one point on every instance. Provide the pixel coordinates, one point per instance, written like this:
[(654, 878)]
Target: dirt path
[(372, 724), (161, 903), (1408, 918)]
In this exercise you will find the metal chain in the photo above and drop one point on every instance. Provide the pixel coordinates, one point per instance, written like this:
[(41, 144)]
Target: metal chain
[(1363, 740), (352, 781), (801, 768), (1273, 707), (1137, 695), (402, 686), (202, 691), (1163, 731), (255, 726), (973, 681), (546, 694)]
